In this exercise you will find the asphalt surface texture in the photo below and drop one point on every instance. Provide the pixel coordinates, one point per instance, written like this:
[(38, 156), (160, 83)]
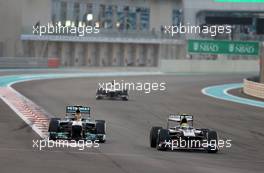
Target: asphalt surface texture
[(127, 147)]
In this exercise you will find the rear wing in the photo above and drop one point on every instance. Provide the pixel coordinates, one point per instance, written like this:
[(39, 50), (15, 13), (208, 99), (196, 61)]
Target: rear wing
[(83, 109), (178, 118)]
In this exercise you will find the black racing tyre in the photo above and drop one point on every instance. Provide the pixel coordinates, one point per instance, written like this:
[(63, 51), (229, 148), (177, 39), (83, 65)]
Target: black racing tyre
[(153, 136), (100, 126), (125, 98), (163, 135), (52, 137), (100, 121), (53, 128), (204, 132), (212, 139), (125, 92), (54, 125), (99, 91), (98, 97)]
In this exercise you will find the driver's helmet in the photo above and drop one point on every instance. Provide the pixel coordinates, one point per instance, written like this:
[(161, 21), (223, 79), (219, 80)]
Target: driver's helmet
[(184, 122), (78, 115)]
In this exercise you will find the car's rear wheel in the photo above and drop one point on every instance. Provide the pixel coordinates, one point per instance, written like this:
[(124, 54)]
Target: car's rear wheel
[(153, 136), (212, 142)]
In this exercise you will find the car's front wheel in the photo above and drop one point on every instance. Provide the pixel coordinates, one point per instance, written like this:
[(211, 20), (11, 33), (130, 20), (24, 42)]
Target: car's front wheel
[(100, 129), (162, 139), (53, 128), (153, 136), (212, 142)]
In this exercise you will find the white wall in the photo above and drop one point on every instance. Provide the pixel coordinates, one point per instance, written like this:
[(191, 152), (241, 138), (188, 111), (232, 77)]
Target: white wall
[(214, 66)]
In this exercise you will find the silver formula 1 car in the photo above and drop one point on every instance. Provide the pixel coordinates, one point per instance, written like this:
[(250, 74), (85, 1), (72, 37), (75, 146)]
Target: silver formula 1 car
[(67, 129), (180, 134)]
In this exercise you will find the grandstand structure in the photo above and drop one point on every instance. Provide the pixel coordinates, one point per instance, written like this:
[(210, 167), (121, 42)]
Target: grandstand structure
[(131, 31)]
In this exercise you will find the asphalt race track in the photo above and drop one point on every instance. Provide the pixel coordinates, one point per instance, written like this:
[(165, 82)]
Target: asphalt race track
[(128, 123)]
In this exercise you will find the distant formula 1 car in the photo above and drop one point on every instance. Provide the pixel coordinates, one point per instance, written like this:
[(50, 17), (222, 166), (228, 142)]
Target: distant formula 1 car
[(180, 134), (112, 93), (68, 128)]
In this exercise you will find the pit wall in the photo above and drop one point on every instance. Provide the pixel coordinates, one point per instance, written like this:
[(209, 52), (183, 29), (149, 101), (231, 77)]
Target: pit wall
[(254, 89), (73, 54), (29, 62), (209, 66)]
